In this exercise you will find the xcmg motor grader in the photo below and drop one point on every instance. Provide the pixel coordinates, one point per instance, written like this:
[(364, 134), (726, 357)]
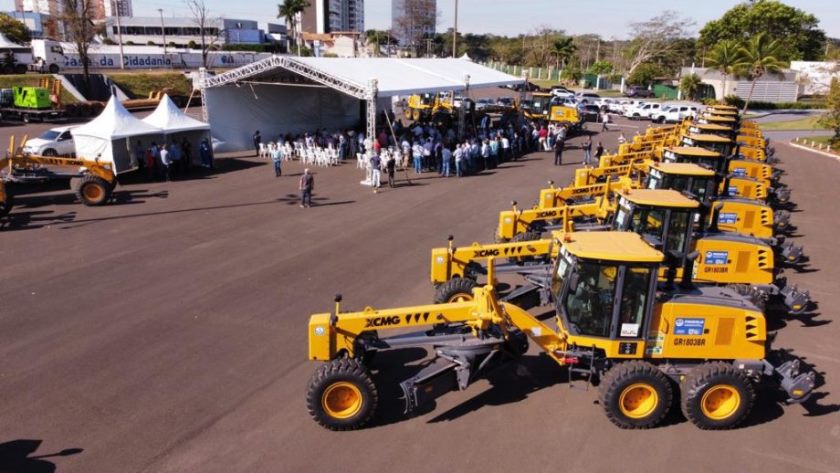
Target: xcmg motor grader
[(647, 345)]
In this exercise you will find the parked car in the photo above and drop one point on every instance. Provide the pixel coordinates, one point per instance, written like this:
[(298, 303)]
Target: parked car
[(528, 86), (505, 101), (677, 113), (53, 142), (589, 112), (482, 104), (638, 91), (633, 110), (649, 110), (617, 105), (587, 97)]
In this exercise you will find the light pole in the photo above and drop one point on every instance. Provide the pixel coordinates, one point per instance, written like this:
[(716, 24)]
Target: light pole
[(162, 30), (116, 7), (455, 32)]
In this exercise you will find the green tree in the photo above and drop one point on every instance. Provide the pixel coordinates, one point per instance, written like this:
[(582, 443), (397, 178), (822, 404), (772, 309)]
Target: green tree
[(562, 49), (797, 30), (289, 10), (645, 73), (759, 56), (723, 57), (601, 68), (831, 119), (13, 29), (689, 85)]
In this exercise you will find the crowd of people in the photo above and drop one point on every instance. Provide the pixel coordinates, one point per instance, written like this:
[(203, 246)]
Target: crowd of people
[(427, 147), (172, 160)]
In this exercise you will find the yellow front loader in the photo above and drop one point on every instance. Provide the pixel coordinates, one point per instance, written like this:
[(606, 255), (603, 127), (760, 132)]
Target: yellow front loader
[(647, 345)]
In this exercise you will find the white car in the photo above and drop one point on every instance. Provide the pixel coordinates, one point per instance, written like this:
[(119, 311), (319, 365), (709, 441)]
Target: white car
[(679, 112), (588, 97), (628, 104), (634, 110), (53, 142)]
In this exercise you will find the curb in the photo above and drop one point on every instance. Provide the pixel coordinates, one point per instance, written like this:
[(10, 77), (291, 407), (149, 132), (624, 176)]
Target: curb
[(808, 148)]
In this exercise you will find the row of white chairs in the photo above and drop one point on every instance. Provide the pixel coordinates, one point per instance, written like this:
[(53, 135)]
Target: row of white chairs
[(363, 159), (308, 155)]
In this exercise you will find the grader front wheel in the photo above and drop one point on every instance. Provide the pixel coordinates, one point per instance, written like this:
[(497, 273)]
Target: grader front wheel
[(341, 395), (455, 290), (93, 190), (635, 395)]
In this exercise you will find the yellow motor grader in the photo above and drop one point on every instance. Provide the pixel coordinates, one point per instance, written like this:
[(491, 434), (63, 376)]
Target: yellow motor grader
[(666, 219), (93, 181), (647, 345)]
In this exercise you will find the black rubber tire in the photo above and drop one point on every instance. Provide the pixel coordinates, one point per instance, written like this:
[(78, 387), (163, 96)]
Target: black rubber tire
[(522, 237), (624, 375), (20, 68), (53, 69), (8, 69), (93, 190), (348, 371), (707, 376), (7, 205), (453, 289), (49, 152)]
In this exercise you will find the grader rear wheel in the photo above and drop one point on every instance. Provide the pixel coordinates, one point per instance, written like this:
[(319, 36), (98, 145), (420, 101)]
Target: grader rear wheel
[(635, 395), (523, 237), (341, 395), (93, 190), (455, 290), (717, 396)]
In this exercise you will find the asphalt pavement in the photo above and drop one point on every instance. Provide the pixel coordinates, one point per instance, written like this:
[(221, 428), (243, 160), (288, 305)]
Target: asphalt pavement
[(167, 332)]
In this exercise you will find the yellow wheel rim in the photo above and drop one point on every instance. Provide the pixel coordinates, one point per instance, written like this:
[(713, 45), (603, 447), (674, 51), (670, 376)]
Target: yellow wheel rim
[(720, 402), (638, 401), (460, 297), (342, 400), (92, 192)]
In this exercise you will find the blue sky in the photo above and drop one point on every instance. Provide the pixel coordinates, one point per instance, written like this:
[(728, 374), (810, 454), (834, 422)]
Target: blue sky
[(608, 18)]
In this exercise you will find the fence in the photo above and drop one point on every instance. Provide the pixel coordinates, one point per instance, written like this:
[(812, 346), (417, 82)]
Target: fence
[(535, 73)]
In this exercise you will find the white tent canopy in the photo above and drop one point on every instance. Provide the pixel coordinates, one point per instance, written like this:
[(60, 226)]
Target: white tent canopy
[(412, 76), (285, 94), (107, 137), (169, 118)]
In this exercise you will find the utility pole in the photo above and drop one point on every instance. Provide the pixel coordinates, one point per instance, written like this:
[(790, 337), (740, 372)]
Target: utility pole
[(116, 6), (598, 51), (162, 30), (455, 32)]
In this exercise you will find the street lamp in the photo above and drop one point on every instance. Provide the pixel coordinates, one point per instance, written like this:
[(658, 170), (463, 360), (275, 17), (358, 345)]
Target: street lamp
[(162, 30), (116, 7)]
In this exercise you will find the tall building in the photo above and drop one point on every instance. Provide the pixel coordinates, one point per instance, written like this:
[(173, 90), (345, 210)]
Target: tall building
[(44, 7), (41, 17), (329, 16), (413, 20)]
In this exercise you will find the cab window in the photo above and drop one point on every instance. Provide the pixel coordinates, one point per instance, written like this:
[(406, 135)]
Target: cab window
[(649, 223), (677, 231), (634, 296), (589, 306)]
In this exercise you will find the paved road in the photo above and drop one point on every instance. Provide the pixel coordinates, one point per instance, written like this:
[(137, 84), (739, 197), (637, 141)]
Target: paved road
[(166, 333)]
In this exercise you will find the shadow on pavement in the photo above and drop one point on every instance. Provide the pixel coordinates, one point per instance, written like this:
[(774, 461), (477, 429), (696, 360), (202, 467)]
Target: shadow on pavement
[(16, 457)]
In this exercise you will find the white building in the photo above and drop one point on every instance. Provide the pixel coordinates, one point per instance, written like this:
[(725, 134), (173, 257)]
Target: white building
[(328, 16), (412, 20), (181, 31), (784, 87)]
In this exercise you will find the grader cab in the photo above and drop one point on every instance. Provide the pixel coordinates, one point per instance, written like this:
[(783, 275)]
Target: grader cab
[(644, 343)]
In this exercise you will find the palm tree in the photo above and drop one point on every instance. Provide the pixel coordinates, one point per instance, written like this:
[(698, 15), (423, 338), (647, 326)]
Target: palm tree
[(723, 57), (689, 85), (563, 48), (289, 10), (758, 57)]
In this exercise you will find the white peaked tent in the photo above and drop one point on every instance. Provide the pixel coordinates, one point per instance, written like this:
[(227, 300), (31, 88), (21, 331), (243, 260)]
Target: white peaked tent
[(177, 126), (110, 137)]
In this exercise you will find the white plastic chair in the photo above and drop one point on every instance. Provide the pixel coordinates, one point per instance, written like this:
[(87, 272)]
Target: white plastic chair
[(263, 151)]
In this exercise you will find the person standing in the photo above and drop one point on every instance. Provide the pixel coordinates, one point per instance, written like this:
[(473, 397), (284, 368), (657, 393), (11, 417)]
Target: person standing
[(306, 186), (206, 153), (485, 154), (277, 158), (391, 167), (174, 159), (375, 175), (459, 156), (257, 138), (186, 155), (506, 154), (149, 157), (605, 119), (446, 157), (558, 151), (587, 150), (166, 162), (599, 151), (417, 153), (139, 156)]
